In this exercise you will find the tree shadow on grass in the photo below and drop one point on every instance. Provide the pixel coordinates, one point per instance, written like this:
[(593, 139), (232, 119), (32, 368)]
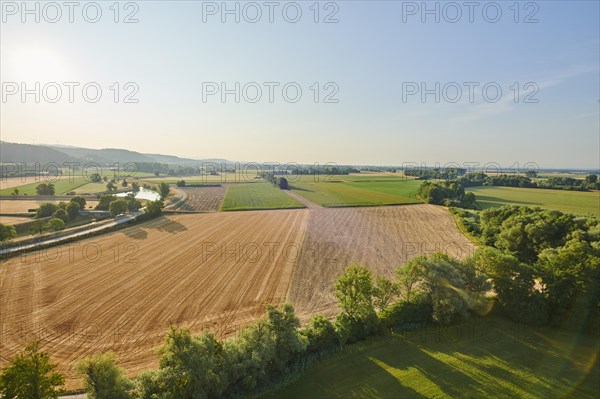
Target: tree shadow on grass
[(295, 188)]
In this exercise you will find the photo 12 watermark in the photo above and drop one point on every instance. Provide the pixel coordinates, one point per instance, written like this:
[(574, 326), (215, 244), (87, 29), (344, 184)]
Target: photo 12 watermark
[(53, 12), (70, 92), (271, 12), (471, 92), (452, 12), (269, 92)]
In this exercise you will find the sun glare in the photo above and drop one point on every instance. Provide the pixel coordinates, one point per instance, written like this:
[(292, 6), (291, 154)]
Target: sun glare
[(37, 64)]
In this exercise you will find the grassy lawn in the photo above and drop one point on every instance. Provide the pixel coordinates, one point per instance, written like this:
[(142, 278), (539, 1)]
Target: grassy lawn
[(567, 201), (61, 186), (486, 358), (93, 188), (262, 195), (361, 192)]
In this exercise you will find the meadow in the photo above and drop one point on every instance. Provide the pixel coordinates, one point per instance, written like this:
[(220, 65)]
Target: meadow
[(62, 185), (359, 191), (255, 196), (485, 358), (577, 202)]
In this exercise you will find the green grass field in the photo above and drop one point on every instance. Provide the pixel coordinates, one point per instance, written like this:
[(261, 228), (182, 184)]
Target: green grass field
[(238, 177), (262, 195), (93, 188), (361, 192), (577, 202), (61, 186), (486, 358)]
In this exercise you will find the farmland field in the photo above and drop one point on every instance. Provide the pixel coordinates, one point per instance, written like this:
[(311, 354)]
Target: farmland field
[(260, 195), (61, 185), (12, 220), (359, 193), (184, 269), (10, 206), (336, 238), (241, 176), (92, 188), (204, 199), (516, 362), (577, 202)]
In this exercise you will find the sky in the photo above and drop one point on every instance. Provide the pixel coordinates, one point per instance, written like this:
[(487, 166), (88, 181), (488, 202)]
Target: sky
[(366, 82)]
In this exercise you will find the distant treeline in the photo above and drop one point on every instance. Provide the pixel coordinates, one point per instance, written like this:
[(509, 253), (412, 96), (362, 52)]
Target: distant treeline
[(474, 179), (435, 173), (557, 183)]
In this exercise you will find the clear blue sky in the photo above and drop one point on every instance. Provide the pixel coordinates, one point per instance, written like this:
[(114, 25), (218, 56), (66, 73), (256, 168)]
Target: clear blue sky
[(368, 54)]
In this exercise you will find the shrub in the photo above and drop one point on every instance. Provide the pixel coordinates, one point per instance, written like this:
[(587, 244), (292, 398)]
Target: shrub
[(61, 214), (45, 189), (46, 209), (154, 208), (103, 379), (117, 207), (7, 232), (80, 200), (31, 375), (321, 334), (72, 210), (418, 311), (55, 224)]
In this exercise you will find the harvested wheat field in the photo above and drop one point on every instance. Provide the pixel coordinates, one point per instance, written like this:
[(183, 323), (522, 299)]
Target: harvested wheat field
[(379, 238), (213, 271), (122, 290), (12, 220), (7, 206), (203, 199)]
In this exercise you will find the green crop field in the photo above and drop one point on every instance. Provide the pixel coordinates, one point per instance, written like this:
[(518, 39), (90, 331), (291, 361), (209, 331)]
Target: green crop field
[(93, 188), (361, 192), (242, 176), (61, 186), (486, 358), (262, 195), (578, 202)]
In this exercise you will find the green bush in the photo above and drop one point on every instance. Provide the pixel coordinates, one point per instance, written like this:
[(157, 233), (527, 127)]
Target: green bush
[(46, 209), (55, 224)]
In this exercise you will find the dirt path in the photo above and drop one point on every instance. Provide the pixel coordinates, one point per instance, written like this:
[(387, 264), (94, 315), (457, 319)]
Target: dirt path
[(301, 199)]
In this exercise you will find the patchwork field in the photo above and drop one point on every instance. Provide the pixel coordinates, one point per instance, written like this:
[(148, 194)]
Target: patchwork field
[(121, 291), (62, 185), (261, 195), (203, 199), (577, 202), (358, 193), (9, 206), (486, 358), (379, 238)]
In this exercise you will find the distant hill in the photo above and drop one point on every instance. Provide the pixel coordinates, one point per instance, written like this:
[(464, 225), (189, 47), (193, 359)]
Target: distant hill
[(29, 153), (26, 153)]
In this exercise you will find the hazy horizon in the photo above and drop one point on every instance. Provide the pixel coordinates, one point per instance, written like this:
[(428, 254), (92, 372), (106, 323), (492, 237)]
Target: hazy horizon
[(368, 60)]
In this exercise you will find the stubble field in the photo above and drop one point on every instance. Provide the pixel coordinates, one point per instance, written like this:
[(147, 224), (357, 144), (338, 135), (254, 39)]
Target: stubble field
[(203, 199), (379, 238), (212, 271)]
